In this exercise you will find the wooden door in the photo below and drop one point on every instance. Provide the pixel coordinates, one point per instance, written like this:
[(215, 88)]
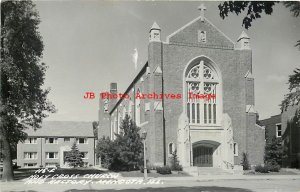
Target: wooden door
[(202, 156)]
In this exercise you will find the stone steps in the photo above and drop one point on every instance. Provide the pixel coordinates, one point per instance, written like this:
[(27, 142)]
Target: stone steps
[(200, 171)]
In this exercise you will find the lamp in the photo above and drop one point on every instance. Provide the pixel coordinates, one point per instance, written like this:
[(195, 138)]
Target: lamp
[(143, 136)]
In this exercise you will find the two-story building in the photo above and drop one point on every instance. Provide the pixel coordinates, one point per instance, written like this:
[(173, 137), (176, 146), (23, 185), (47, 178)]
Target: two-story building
[(48, 145)]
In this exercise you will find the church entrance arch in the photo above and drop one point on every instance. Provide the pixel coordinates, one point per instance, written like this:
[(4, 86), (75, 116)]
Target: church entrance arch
[(203, 153)]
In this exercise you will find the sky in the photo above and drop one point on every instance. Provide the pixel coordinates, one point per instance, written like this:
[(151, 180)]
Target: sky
[(90, 43)]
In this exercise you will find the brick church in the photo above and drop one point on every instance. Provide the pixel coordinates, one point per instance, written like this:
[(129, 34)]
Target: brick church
[(196, 59)]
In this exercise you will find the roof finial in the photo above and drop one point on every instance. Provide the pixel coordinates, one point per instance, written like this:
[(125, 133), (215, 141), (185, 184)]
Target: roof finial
[(202, 9)]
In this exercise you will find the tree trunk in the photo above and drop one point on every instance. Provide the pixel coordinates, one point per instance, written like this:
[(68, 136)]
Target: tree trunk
[(7, 174)]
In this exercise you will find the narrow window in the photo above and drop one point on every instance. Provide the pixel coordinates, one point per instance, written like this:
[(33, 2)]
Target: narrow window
[(171, 148), (188, 111), (198, 113), (214, 115), (209, 113), (235, 149), (205, 115), (202, 36), (278, 130), (193, 113)]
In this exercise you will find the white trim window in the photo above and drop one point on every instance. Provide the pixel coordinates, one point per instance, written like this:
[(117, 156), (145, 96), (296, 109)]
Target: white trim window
[(235, 149), (81, 141), (30, 155), (31, 140), (201, 93), (278, 130), (67, 139), (30, 165), (51, 140), (51, 155), (84, 155)]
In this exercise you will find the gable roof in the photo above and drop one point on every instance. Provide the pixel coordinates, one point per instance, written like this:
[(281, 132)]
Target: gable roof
[(243, 36), (62, 129), (204, 22), (155, 26)]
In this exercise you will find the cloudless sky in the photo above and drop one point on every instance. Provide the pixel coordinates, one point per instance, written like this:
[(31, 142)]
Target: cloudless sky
[(89, 44)]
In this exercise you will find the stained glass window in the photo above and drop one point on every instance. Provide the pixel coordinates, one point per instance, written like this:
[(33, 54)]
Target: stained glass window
[(201, 81)]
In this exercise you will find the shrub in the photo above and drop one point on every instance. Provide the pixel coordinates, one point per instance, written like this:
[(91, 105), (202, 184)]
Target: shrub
[(175, 166), (125, 152), (267, 168), (261, 169), (245, 162), (274, 151), (273, 167), (163, 170)]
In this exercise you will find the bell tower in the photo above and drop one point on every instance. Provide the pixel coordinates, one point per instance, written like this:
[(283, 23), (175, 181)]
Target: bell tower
[(154, 33), (243, 41)]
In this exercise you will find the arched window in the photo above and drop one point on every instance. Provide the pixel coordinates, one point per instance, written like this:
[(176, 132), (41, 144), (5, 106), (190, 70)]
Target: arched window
[(124, 113), (130, 108), (202, 85), (138, 110), (115, 126), (171, 148)]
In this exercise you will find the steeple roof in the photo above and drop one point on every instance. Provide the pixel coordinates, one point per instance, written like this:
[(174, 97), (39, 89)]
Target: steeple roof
[(155, 26), (243, 36)]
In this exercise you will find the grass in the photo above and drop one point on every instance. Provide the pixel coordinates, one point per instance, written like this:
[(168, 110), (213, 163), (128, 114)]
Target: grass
[(152, 174), (281, 172)]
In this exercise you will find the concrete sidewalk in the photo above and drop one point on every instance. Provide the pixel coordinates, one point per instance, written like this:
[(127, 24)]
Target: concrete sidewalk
[(224, 177)]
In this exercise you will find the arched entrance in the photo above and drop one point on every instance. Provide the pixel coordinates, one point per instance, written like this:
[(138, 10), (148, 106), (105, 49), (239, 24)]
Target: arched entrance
[(203, 156), (203, 153)]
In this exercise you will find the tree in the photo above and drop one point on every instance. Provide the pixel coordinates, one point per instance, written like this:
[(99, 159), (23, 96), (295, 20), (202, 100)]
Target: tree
[(291, 139), (245, 162), (23, 102), (255, 9), (293, 97), (126, 151), (74, 157), (105, 151), (175, 166), (274, 151), (130, 145)]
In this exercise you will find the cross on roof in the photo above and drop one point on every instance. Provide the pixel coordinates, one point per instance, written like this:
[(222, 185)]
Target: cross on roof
[(202, 9)]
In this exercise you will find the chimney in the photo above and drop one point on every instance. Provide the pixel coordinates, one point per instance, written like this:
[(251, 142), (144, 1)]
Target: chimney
[(113, 90)]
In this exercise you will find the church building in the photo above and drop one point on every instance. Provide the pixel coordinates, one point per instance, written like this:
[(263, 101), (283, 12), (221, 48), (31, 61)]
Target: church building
[(197, 59)]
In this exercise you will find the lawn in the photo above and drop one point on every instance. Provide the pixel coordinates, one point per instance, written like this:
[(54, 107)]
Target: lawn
[(153, 174), (281, 172)]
